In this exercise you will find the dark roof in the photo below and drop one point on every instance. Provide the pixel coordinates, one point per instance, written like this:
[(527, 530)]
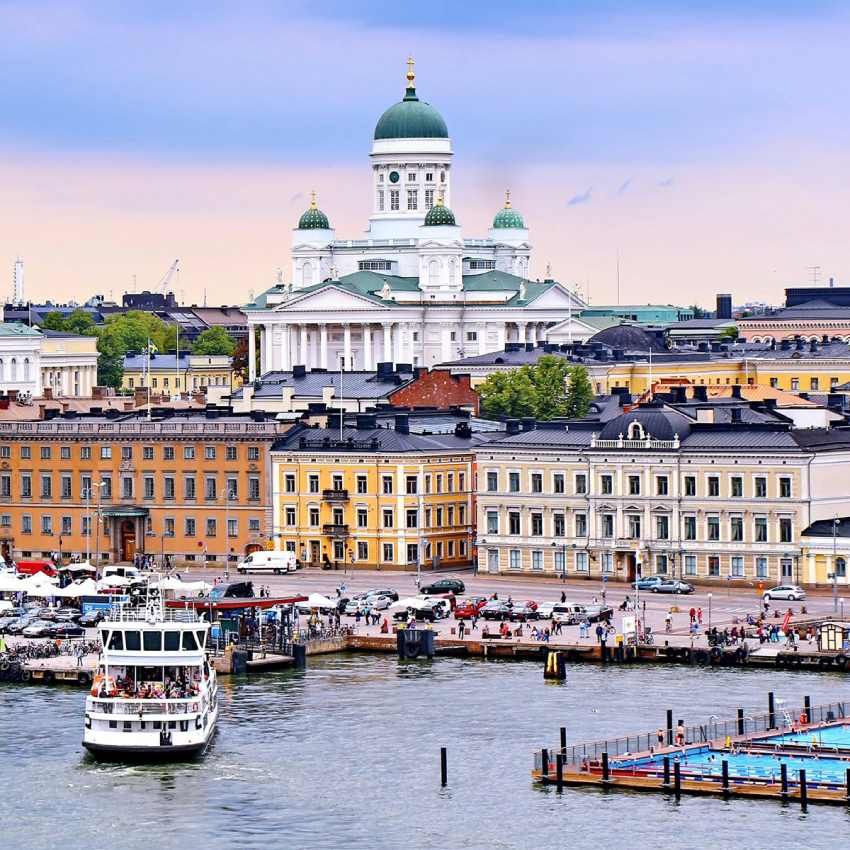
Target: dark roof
[(354, 384), (823, 439), (824, 528), (373, 440), (627, 337), (659, 423)]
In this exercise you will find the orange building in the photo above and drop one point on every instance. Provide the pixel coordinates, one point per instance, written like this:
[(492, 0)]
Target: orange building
[(191, 484)]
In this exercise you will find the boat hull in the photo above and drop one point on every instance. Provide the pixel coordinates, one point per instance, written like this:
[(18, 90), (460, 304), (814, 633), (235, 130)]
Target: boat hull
[(162, 753)]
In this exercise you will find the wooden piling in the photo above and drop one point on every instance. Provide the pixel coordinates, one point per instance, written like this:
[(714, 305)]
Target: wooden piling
[(444, 770), (559, 771), (804, 793)]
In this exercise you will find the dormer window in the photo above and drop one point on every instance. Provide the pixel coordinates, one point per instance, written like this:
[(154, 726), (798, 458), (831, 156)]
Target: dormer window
[(636, 431)]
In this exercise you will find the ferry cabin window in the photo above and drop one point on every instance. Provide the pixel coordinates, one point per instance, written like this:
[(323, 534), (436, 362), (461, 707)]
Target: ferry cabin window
[(172, 641), (200, 639), (152, 641), (132, 641), (116, 640), (189, 641)]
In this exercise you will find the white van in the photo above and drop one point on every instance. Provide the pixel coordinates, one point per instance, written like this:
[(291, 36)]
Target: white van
[(122, 571), (268, 561)]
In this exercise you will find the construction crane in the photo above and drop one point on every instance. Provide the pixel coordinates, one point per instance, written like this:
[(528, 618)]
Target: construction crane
[(173, 269)]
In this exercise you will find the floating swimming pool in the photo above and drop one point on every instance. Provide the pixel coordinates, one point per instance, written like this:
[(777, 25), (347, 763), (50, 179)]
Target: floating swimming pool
[(828, 736)]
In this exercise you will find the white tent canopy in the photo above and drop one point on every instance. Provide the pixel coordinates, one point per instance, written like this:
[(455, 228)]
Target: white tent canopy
[(316, 600), (189, 588), (10, 583), (87, 587)]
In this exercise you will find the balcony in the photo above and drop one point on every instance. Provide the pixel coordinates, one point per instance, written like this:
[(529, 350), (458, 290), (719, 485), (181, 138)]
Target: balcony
[(335, 495), (335, 529)]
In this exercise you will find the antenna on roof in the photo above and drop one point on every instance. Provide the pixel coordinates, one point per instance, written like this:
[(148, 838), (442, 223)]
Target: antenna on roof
[(815, 270), (618, 277)]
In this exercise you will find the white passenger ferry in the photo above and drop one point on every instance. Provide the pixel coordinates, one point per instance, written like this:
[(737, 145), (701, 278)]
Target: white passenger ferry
[(155, 694)]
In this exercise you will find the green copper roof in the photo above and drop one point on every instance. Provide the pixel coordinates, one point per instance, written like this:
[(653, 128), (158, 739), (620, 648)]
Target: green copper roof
[(439, 214), (508, 217), (313, 218), (411, 118)]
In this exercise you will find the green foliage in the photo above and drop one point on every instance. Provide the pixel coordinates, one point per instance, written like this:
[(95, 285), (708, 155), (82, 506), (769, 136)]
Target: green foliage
[(729, 333), (54, 321), (213, 341), (698, 312), (129, 331), (547, 390)]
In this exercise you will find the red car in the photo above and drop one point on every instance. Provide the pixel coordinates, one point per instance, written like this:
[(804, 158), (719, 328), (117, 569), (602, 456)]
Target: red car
[(466, 609), (32, 566)]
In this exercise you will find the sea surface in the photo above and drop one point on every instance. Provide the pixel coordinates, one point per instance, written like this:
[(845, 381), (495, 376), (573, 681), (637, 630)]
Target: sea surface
[(346, 754)]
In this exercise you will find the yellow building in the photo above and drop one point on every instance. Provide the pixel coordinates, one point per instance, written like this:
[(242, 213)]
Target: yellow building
[(374, 497), (170, 373)]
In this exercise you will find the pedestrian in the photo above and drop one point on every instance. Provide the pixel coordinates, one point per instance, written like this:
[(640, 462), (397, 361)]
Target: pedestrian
[(668, 622), (693, 614), (563, 596), (600, 631), (557, 627), (475, 621), (680, 735), (659, 736), (461, 628), (357, 617)]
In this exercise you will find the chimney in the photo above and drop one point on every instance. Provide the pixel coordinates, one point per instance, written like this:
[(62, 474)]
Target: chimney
[(298, 372), (824, 340), (513, 426), (402, 423), (736, 413), (98, 392), (813, 345), (463, 430), (333, 420), (736, 391), (804, 396), (366, 421), (47, 393), (770, 404), (528, 423), (705, 415), (529, 346), (680, 394), (724, 306), (700, 392)]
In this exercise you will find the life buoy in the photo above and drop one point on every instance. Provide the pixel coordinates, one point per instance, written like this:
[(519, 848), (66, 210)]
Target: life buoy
[(25, 675), (194, 706), (4, 665), (83, 678)]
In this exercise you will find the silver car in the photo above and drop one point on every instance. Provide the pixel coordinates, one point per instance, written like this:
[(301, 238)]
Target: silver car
[(786, 592)]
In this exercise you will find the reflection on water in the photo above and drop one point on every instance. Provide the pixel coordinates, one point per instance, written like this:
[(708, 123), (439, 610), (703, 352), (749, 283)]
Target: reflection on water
[(347, 754)]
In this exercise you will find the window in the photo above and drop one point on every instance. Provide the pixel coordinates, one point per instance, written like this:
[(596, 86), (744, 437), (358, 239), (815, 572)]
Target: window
[(661, 564), (412, 518), (761, 488), (209, 452), (46, 524), (386, 484), (761, 529), (168, 452), (289, 517), (26, 486), (362, 517), (126, 452), (513, 482), (254, 528), (147, 452), (253, 452), (690, 532), (169, 526), (513, 522), (713, 486), (795, 384), (126, 487), (536, 482), (168, 487), (289, 482), (393, 208), (66, 525), (559, 525), (634, 485), (582, 562), (211, 528), (64, 452), (606, 484), (65, 482), (312, 517), (6, 486), (581, 525), (412, 196), (690, 485), (558, 482), (253, 488), (737, 486), (461, 482), (690, 565), (537, 559), (840, 567), (5, 451), (662, 527), (189, 527), (362, 550), (46, 487), (492, 522), (737, 566), (189, 487), (536, 524), (472, 336), (785, 532), (26, 524), (106, 486), (607, 562), (784, 488), (230, 452), (662, 484), (232, 489), (362, 484), (429, 198), (736, 528), (608, 525), (388, 518), (713, 565), (388, 547), (515, 559), (410, 483), (148, 487), (713, 525), (45, 452), (188, 452), (560, 562), (581, 483), (814, 384), (85, 452)]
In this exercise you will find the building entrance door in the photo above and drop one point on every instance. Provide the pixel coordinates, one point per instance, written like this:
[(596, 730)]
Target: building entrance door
[(315, 551), (492, 560), (631, 567), (128, 539)]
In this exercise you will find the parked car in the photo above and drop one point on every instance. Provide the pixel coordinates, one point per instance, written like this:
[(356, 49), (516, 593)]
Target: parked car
[(6, 621), (67, 615), (31, 566), (37, 629), (17, 626), (786, 592), (647, 582), (356, 605), (383, 591), (444, 585), (466, 609), (544, 610), (673, 585), (495, 609), (426, 611), (268, 561), (233, 590), (90, 619), (66, 630), (571, 614), (521, 612), (378, 602)]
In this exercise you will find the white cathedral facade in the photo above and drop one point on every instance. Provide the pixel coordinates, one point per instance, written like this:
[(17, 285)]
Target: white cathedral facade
[(413, 289)]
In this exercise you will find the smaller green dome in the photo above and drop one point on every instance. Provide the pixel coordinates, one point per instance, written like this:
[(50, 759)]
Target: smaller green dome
[(508, 217), (313, 218), (439, 214)]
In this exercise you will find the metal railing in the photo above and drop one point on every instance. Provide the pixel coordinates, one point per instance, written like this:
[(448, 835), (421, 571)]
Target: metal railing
[(154, 705), (712, 730)]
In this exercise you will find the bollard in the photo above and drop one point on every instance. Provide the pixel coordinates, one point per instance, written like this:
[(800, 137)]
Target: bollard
[(564, 740), (444, 769), (725, 769), (740, 721), (677, 779), (299, 655), (804, 798), (604, 648), (666, 771), (669, 727), (807, 704), (783, 773), (606, 771), (544, 768), (771, 711), (559, 771)]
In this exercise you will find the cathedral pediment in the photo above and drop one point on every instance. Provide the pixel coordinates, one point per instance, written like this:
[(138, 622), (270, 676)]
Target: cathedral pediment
[(329, 297)]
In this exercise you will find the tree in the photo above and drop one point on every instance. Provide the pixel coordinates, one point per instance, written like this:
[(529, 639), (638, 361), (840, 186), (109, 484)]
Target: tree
[(698, 312), (549, 389), (54, 321), (240, 358), (579, 393), (213, 341), (80, 322), (130, 331), (730, 333)]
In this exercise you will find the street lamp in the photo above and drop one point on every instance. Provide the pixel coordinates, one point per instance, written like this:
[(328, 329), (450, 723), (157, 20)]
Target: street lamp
[(709, 611), (835, 523)]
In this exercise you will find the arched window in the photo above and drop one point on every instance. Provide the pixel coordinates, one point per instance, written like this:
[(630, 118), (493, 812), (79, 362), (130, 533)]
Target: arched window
[(636, 431), (840, 567), (434, 273), (26, 368), (13, 369), (307, 274)]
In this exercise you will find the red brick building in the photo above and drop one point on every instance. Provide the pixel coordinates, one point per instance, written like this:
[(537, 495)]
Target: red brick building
[(439, 390)]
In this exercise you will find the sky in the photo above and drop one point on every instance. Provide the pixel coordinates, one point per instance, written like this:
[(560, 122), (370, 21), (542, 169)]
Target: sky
[(701, 147)]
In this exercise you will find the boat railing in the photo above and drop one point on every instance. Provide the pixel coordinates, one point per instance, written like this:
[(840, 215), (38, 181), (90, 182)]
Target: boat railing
[(124, 706), (122, 614), (710, 732)]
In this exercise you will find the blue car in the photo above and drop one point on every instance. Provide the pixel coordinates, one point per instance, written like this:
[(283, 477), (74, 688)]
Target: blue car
[(648, 582)]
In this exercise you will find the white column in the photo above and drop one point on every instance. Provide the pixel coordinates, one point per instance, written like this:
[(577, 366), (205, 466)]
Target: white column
[(252, 354), (501, 330), (285, 348), (520, 331), (367, 347), (398, 343), (346, 345), (388, 342), (303, 355), (445, 343), (323, 345), (267, 359)]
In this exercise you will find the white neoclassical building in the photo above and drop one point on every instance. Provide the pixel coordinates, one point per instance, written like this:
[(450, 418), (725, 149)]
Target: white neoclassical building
[(413, 290)]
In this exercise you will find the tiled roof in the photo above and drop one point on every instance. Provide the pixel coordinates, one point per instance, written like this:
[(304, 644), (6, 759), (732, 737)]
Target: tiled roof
[(374, 440), (17, 329)]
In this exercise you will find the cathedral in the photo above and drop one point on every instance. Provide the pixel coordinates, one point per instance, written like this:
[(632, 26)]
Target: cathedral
[(413, 289)]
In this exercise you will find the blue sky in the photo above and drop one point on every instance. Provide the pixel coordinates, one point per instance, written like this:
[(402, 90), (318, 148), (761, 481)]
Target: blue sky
[(700, 140)]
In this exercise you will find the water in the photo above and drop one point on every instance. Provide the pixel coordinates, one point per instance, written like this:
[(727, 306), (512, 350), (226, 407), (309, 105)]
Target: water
[(347, 755)]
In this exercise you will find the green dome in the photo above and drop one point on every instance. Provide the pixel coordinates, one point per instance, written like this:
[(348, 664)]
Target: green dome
[(313, 218), (439, 214), (411, 118), (508, 217)]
